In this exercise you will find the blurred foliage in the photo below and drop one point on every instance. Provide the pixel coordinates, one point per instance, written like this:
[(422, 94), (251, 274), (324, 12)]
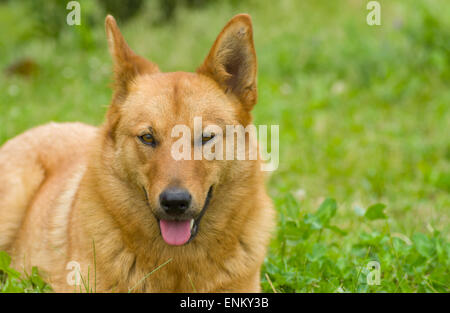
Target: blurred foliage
[(122, 10), (168, 7)]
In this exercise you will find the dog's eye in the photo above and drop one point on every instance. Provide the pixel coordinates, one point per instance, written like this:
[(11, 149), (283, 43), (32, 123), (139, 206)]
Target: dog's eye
[(147, 139), (206, 138)]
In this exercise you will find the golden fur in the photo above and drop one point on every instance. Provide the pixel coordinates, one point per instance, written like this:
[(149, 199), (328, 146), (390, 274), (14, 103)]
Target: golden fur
[(67, 188)]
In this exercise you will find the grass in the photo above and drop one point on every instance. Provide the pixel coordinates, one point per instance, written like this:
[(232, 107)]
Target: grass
[(13, 281), (363, 114)]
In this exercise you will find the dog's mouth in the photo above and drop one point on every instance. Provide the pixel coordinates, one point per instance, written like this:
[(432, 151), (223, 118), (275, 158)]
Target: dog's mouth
[(176, 232)]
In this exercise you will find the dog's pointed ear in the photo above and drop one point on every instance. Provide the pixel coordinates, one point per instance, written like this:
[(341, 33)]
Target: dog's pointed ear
[(127, 64), (231, 61)]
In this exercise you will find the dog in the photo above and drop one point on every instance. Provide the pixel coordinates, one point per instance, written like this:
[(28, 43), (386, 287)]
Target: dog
[(109, 209)]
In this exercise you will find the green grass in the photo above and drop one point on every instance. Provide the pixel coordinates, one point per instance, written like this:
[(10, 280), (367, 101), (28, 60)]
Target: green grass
[(13, 281), (363, 112)]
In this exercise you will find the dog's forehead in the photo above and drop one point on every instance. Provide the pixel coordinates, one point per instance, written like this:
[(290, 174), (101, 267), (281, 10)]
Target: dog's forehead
[(172, 98)]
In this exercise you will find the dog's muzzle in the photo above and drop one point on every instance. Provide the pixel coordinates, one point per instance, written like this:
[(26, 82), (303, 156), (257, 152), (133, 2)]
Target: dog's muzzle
[(176, 231)]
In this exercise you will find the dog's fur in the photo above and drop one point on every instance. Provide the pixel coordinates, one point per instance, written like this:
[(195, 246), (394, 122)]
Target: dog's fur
[(72, 192)]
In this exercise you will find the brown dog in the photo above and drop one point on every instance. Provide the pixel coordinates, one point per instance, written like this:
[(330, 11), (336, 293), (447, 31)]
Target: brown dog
[(114, 200)]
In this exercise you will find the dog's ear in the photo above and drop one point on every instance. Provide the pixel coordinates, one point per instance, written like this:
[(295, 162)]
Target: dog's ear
[(127, 64), (231, 61)]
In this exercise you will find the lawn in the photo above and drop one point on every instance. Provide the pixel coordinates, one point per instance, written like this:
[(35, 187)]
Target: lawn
[(363, 111)]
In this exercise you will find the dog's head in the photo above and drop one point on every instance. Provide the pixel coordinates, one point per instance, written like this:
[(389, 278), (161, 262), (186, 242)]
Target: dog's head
[(147, 106)]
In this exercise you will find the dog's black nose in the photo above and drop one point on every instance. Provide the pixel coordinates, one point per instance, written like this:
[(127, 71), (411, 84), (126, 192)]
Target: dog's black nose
[(175, 200)]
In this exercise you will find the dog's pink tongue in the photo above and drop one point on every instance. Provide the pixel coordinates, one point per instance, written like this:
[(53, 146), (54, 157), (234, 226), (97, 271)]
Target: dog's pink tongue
[(175, 233)]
